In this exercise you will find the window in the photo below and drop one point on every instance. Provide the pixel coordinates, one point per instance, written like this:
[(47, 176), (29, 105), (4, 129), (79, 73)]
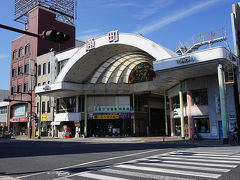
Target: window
[(49, 67), (27, 49), (39, 84), (81, 103), (13, 90), (43, 107), (14, 72), (67, 104), (14, 55), (48, 107), (202, 125), (19, 88), (48, 82), (44, 68), (3, 110), (39, 70), (200, 97), (21, 52), (20, 70), (37, 107), (26, 68), (26, 87), (43, 83)]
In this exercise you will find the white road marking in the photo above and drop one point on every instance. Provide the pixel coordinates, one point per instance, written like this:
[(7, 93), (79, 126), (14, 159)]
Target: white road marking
[(142, 175), (201, 160), (91, 162), (170, 171), (208, 154), (186, 167), (204, 157), (101, 177)]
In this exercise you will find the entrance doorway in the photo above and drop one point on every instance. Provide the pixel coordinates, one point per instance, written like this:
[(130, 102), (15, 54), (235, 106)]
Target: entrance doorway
[(157, 121)]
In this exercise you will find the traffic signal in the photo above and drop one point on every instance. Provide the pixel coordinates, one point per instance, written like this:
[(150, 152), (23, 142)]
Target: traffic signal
[(53, 35)]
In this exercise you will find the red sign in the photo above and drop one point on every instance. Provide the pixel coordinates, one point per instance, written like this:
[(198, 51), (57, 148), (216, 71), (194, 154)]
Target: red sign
[(19, 119)]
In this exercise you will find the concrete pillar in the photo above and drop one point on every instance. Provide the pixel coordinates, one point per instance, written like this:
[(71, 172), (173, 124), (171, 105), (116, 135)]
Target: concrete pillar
[(134, 120), (85, 115), (222, 102), (190, 118), (171, 116), (165, 113), (77, 103), (181, 109)]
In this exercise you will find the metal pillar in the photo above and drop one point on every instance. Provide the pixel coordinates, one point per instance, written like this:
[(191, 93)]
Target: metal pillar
[(134, 120), (85, 115), (190, 118), (171, 115), (222, 101), (165, 113), (181, 109), (39, 116)]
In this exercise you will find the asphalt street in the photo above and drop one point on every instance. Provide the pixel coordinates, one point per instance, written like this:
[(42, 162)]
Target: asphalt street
[(23, 159)]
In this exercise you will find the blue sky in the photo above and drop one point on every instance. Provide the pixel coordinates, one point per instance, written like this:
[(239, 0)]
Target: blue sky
[(163, 21)]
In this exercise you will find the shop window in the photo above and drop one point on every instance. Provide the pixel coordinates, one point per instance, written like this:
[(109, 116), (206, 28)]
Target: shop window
[(26, 87), (44, 68), (13, 90), (49, 67), (200, 97), (48, 107), (43, 107), (39, 70), (14, 55), (26, 68), (21, 52), (67, 104), (20, 70), (19, 88), (202, 125), (81, 103), (3, 110), (14, 73), (37, 107), (27, 49)]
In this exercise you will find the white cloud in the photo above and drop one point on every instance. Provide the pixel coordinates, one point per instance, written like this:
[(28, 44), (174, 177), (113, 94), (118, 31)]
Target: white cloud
[(153, 8), (4, 56), (158, 24)]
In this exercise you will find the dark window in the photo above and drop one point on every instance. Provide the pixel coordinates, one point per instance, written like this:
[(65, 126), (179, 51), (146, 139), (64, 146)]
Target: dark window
[(19, 88), (27, 49), (200, 97), (37, 107), (26, 87), (49, 67), (21, 52), (26, 68), (44, 68), (39, 84), (14, 55), (43, 83), (81, 103), (13, 90), (48, 82), (39, 70), (43, 107), (202, 125), (20, 70), (14, 72), (67, 104), (48, 107)]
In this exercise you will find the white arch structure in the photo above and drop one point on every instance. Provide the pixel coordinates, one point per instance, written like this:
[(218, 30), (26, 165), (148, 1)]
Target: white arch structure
[(89, 65)]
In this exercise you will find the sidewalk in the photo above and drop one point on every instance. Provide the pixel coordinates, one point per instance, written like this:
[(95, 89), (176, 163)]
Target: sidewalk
[(158, 139)]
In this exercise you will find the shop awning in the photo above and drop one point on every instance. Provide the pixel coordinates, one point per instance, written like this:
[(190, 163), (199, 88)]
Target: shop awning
[(56, 123)]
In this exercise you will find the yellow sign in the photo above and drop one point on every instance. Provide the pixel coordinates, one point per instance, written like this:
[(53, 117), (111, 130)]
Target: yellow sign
[(104, 116), (43, 117)]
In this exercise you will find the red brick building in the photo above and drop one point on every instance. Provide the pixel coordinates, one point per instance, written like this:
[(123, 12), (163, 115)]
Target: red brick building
[(25, 49)]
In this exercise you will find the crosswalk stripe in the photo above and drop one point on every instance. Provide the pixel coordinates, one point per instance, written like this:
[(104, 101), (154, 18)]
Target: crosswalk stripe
[(195, 163), (204, 157), (202, 160), (100, 177), (170, 171), (187, 167), (142, 175), (208, 154)]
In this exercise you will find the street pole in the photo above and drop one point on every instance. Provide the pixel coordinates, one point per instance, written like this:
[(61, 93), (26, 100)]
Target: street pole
[(39, 116), (181, 109), (165, 113)]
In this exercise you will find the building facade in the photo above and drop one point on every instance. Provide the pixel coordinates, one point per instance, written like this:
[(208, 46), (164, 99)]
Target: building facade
[(25, 50)]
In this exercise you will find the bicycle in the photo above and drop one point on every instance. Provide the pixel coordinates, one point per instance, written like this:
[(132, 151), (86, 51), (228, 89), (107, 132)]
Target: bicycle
[(233, 138)]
